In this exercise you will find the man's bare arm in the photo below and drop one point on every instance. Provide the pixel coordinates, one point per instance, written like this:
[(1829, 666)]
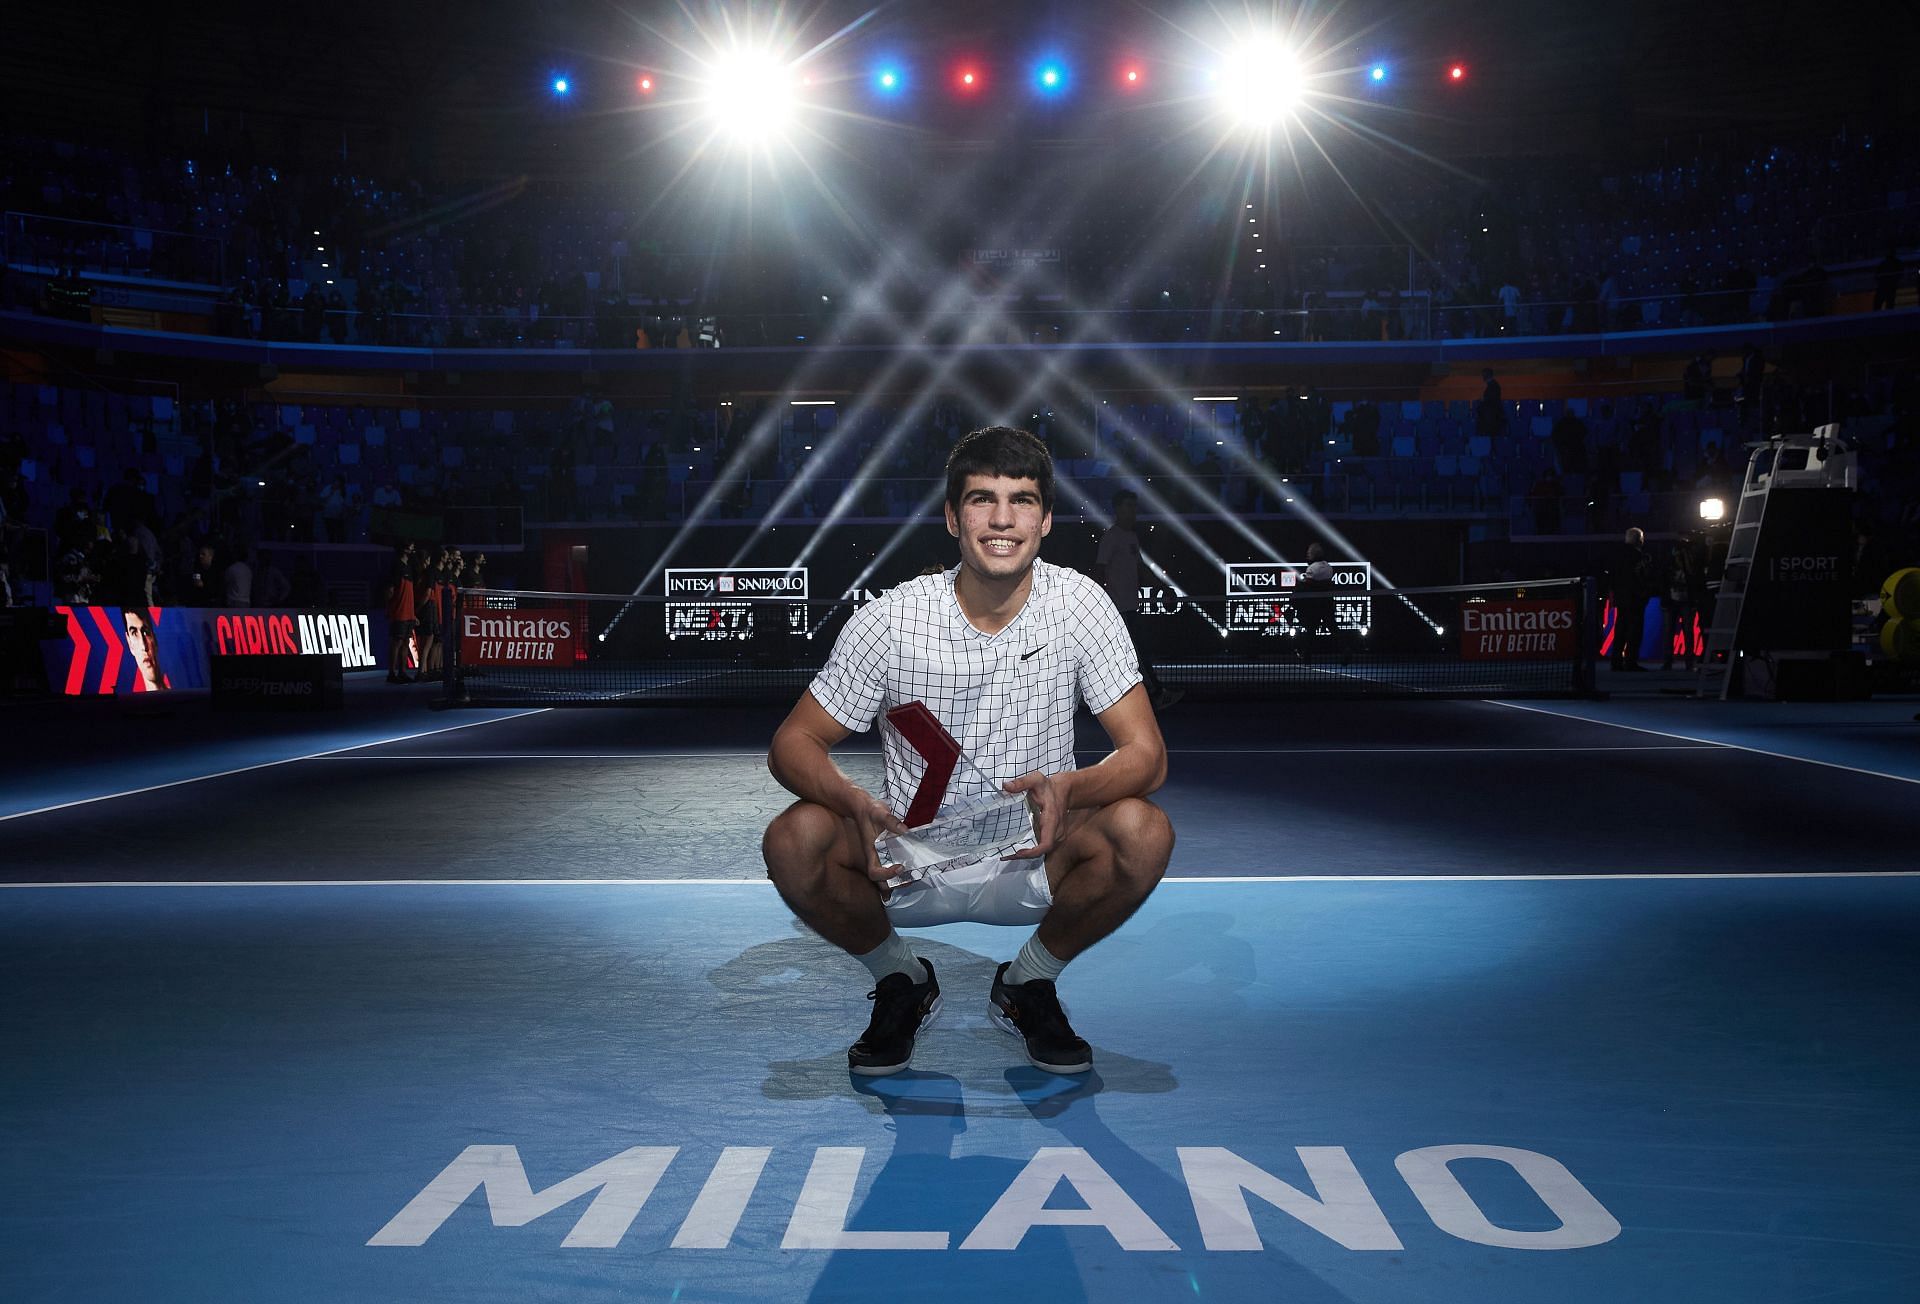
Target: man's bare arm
[(801, 760), (1136, 766)]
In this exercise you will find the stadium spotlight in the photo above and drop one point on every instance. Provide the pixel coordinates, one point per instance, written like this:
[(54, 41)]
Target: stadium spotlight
[(1261, 82), (1377, 74), (889, 80), (1713, 509), (561, 85), (643, 84), (748, 94), (1457, 72), (1050, 78)]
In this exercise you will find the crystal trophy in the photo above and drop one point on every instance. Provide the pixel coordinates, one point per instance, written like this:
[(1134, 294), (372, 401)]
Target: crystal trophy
[(989, 830), (978, 831)]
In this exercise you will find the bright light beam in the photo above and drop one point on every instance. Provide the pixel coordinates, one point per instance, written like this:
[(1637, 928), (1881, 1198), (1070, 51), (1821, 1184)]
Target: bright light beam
[(1261, 83), (748, 94)]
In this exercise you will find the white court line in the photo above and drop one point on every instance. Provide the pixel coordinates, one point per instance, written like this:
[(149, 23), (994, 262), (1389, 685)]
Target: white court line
[(1214, 879), (264, 765), (1171, 751), (1712, 742)]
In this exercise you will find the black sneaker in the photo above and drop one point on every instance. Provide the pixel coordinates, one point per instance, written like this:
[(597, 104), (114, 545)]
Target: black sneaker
[(1032, 1011), (901, 1007)]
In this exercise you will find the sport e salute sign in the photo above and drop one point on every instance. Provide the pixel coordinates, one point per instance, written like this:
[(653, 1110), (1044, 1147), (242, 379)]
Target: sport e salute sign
[(532, 636), (1507, 630)]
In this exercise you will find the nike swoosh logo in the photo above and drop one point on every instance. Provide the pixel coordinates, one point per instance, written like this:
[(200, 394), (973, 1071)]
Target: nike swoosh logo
[(1034, 652)]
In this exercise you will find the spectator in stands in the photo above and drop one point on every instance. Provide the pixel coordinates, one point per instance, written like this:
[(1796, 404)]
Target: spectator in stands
[(400, 616), (194, 586), (74, 526), (1887, 274), (1570, 443), (1117, 568), (1696, 383), (1364, 429), (73, 579), (1491, 418), (128, 503), (1632, 585), (236, 581), (1715, 479), (1509, 296), (271, 587), (128, 581)]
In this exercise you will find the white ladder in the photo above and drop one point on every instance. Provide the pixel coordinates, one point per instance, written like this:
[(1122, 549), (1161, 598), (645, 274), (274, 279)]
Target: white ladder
[(1723, 630)]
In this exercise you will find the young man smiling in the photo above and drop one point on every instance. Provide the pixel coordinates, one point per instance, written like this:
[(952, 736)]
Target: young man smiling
[(1001, 649)]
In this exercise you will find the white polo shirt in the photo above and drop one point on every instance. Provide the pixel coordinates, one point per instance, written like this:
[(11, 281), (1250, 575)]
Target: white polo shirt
[(1008, 699)]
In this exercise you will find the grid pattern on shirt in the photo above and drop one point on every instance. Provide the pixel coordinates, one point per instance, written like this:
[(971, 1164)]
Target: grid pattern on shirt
[(1008, 699)]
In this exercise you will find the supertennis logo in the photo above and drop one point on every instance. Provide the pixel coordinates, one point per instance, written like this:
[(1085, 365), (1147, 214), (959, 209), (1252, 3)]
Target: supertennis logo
[(1515, 630), (538, 636)]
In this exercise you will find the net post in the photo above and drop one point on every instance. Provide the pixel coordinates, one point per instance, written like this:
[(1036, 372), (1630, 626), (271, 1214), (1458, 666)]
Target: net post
[(455, 685), (1586, 663)]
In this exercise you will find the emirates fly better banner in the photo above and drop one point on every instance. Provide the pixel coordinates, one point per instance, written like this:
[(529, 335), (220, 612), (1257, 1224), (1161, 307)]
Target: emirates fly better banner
[(1518, 630), (531, 636)]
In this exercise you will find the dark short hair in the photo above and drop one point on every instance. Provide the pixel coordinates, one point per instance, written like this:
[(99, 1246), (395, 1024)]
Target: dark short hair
[(1124, 497), (1000, 450)]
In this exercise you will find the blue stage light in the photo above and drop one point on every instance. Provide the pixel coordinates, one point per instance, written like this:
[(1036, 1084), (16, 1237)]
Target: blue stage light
[(1051, 77), (560, 85), (1378, 73), (889, 81)]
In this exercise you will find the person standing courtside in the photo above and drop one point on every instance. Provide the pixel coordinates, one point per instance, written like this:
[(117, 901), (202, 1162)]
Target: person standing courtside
[(1117, 567), (1632, 586), (1000, 649)]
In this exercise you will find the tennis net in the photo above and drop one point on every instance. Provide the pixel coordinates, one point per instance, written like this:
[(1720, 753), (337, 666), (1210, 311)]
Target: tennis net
[(1531, 639)]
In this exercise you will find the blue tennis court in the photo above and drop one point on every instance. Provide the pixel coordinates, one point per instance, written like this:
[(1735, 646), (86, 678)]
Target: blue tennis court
[(1440, 1001)]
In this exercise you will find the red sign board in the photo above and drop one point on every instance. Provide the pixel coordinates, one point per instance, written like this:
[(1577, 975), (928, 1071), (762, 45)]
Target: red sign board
[(531, 636), (1509, 630)]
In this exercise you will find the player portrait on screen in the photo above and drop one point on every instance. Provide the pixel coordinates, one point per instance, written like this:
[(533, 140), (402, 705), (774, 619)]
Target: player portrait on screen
[(143, 646)]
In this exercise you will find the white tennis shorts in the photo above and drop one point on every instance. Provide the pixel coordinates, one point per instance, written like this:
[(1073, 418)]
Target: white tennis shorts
[(992, 891)]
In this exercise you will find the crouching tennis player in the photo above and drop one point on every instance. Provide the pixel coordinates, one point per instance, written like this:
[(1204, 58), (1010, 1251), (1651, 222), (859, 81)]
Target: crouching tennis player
[(1001, 649)]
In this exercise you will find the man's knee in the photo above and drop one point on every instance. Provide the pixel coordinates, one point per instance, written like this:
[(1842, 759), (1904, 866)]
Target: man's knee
[(1142, 839), (799, 843)]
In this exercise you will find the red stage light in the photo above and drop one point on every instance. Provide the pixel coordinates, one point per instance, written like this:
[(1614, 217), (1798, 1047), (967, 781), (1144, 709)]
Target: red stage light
[(645, 85), (1131, 77), (969, 79), (1458, 72)]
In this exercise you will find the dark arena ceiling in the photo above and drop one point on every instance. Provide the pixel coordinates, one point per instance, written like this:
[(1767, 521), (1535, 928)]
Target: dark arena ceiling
[(462, 87)]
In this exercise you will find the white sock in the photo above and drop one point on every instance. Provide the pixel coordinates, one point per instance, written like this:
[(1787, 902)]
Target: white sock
[(1034, 961), (893, 956)]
